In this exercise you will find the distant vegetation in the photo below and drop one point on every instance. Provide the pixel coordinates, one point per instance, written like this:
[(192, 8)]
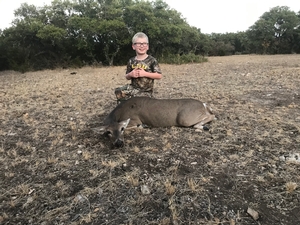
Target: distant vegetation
[(75, 33)]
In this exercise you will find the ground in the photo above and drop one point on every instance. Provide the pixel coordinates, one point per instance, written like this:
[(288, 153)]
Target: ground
[(55, 169)]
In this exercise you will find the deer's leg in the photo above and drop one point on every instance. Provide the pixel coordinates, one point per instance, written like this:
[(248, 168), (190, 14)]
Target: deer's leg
[(206, 119), (135, 123)]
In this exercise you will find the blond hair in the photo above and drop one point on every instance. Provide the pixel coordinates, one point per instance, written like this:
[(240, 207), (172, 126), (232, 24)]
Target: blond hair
[(139, 35)]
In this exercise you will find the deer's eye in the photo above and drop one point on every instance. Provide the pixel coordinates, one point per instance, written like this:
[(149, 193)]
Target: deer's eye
[(122, 129)]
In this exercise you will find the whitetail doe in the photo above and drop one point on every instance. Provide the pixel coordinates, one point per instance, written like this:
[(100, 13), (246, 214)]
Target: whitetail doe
[(151, 112)]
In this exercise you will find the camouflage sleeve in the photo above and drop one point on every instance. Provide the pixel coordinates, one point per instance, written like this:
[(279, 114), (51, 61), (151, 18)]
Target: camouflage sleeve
[(129, 66), (155, 66)]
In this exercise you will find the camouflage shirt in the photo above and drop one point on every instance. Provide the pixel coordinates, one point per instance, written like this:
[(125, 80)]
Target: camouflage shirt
[(149, 64)]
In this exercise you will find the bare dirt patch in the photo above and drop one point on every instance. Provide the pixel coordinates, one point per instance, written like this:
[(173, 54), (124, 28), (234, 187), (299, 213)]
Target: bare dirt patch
[(56, 170)]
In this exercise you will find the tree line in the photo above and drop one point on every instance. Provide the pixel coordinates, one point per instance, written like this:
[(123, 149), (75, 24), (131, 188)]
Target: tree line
[(75, 33)]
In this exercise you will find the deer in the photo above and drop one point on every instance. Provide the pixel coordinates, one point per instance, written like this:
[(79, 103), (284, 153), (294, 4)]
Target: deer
[(151, 112)]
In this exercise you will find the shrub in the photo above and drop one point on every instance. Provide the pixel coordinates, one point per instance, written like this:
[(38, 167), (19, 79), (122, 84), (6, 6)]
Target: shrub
[(182, 59)]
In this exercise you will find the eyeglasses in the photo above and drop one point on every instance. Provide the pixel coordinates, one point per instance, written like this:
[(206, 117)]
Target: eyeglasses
[(139, 44)]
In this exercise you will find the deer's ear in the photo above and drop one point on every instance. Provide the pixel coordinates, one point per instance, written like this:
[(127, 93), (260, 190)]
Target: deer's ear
[(123, 124)]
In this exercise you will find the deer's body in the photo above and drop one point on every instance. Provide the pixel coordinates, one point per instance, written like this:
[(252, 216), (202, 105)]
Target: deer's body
[(155, 113)]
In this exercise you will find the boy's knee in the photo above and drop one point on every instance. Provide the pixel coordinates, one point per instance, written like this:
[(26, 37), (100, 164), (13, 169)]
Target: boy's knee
[(117, 91), (122, 95), (119, 94)]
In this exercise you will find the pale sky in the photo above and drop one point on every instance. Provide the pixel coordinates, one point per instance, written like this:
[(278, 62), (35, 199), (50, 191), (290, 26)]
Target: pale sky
[(212, 16)]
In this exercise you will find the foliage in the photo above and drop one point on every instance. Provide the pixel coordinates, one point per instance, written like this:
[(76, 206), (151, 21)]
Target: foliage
[(71, 33), (183, 59), (276, 32)]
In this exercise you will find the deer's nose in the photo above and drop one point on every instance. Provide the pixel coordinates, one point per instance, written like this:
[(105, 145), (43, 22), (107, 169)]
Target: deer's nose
[(119, 143)]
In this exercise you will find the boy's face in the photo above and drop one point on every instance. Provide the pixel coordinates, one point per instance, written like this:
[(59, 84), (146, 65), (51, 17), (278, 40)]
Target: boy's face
[(141, 46)]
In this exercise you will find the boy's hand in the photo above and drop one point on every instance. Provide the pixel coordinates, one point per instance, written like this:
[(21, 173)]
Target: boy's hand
[(137, 73)]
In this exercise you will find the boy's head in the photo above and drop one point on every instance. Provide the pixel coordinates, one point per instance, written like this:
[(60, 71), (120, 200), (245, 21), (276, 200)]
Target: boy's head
[(140, 43)]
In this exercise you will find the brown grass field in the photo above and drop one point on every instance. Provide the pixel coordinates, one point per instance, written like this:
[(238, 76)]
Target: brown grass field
[(245, 170)]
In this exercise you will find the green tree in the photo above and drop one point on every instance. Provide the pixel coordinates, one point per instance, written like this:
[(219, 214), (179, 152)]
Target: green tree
[(221, 44), (82, 32), (274, 32)]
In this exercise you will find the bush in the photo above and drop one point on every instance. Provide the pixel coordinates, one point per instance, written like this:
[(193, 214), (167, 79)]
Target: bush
[(182, 59)]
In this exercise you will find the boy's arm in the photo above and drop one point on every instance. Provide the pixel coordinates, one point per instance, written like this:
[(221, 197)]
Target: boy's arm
[(128, 70), (128, 76), (155, 70), (155, 75), (142, 73)]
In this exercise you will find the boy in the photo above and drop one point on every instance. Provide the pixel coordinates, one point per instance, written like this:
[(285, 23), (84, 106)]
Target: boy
[(141, 70)]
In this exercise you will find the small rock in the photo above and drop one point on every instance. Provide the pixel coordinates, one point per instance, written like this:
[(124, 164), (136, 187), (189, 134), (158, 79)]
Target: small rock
[(145, 190), (294, 158), (124, 165), (253, 213), (282, 158)]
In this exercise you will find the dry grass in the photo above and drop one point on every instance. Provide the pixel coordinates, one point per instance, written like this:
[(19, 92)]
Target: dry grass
[(56, 170)]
